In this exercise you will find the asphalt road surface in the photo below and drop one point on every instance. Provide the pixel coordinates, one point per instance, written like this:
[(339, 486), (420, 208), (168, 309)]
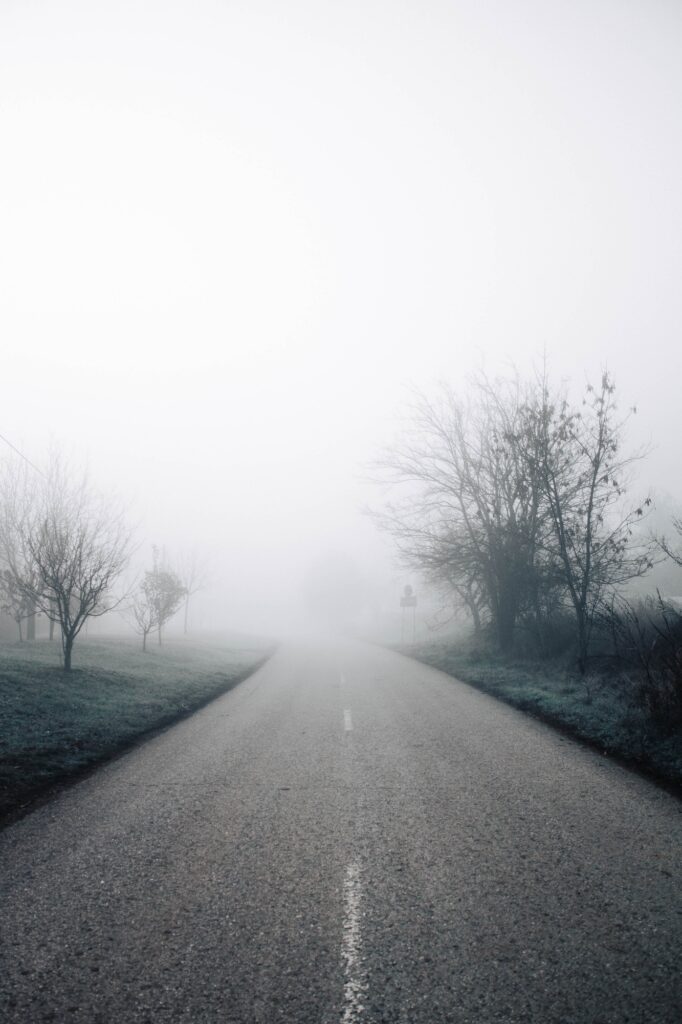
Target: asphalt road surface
[(346, 837)]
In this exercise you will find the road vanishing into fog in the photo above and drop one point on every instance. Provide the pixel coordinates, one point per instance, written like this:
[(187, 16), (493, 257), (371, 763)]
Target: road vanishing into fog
[(346, 837)]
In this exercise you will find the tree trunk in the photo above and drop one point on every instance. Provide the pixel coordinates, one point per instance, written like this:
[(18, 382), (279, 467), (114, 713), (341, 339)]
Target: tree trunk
[(31, 625), (469, 599), (505, 619), (51, 629), (21, 632), (159, 636), (67, 646), (186, 611), (144, 641), (505, 634), (582, 643)]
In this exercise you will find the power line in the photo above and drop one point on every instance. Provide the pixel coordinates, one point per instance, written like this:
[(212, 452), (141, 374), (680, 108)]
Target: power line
[(21, 454)]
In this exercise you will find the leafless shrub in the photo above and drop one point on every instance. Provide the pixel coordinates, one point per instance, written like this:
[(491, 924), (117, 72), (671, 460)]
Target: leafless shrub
[(647, 639)]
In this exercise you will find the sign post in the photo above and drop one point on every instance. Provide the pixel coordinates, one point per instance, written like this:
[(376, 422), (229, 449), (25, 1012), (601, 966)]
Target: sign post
[(408, 600)]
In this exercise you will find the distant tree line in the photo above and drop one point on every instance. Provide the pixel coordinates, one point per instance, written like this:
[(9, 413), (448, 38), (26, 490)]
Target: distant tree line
[(518, 500)]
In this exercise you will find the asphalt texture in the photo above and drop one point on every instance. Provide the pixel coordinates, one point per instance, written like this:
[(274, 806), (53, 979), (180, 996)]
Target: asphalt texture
[(348, 836)]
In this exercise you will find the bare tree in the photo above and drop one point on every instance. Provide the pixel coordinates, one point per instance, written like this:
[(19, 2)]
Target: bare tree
[(77, 545), (167, 595), (516, 500), (584, 476), (14, 602), (472, 514), (155, 600), (143, 611), (193, 572), (18, 574), (673, 553)]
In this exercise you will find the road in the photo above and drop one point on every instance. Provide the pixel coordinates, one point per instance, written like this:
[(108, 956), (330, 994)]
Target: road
[(347, 837)]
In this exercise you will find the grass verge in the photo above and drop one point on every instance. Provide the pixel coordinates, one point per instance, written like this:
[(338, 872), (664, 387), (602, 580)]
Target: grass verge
[(55, 726), (601, 710)]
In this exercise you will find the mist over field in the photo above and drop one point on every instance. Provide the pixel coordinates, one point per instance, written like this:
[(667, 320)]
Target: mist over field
[(236, 235)]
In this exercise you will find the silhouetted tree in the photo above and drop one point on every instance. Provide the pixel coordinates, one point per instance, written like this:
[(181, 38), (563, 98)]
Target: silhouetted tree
[(155, 601), (667, 547), (13, 600), (142, 610), (515, 499), (472, 515), (76, 545), (18, 579), (577, 455)]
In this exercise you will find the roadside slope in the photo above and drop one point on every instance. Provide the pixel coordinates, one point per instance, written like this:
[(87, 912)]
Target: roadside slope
[(54, 726), (602, 711)]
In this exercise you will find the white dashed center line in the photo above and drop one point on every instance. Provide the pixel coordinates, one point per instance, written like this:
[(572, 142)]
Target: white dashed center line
[(355, 985), (347, 721)]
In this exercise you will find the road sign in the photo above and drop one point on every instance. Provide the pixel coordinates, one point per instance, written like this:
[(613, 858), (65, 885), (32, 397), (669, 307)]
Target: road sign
[(408, 600)]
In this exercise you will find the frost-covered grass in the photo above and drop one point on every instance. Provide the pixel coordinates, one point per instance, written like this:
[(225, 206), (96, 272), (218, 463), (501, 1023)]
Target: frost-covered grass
[(54, 725), (601, 709)]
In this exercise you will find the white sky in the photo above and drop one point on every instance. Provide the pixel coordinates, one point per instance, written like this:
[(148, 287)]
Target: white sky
[(232, 233)]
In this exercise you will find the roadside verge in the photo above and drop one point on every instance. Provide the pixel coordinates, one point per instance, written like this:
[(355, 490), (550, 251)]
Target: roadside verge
[(598, 711), (55, 726)]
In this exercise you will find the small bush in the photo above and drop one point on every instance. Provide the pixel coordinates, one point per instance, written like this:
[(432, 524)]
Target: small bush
[(553, 638), (647, 640)]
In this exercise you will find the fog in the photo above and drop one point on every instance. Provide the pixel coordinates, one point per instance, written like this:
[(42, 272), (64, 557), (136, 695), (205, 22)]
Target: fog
[(235, 235)]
